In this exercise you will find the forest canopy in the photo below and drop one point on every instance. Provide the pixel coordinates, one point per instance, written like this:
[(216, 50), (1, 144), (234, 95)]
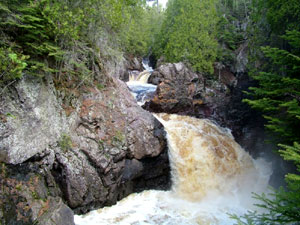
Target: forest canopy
[(73, 37), (188, 34)]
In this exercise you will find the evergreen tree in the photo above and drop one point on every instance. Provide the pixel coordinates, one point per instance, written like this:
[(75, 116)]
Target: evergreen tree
[(283, 206), (278, 97), (68, 38), (278, 93), (189, 34)]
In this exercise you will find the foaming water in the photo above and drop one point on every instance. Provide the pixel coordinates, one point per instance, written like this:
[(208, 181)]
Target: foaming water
[(141, 90), (142, 77), (211, 174)]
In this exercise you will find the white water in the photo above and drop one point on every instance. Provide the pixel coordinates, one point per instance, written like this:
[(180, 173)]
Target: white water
[(211, 174), (138, 85), (146, 65)]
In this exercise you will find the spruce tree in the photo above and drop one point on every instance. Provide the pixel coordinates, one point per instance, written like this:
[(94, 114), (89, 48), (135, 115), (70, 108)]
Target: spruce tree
[(278, 97), (189, 34)]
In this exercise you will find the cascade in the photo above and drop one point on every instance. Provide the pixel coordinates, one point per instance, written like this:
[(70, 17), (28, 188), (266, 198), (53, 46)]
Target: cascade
[(211, 177), (138, 85), (140, 78)]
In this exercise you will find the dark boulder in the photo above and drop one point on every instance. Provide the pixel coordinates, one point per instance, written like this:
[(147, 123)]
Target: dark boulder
[(182, 91)]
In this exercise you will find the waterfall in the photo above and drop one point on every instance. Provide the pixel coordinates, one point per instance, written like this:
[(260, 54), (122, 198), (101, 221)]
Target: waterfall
[(138, 85), (206, 160), (211, 175), (141, 78)]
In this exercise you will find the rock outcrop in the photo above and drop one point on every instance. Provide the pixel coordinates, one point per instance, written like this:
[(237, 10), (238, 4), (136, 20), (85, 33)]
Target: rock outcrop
[(31, 120), (184, 92), (54, 158), (26, 198), (132, 66)]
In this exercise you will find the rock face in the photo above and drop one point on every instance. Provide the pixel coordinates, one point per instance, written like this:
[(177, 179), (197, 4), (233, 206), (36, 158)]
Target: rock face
[(132, 66), (101, 150), (177, 88), (31, 121), (25, 198), (184, 92), (240, 65)]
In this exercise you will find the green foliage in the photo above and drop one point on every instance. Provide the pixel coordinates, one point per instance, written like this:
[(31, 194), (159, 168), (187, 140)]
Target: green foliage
[(278, 94), (118, 138), (231, 28), (228, 33), (28, 27), (270, 20), (69, 39), (283, 206), (283, 15), (189, 34), (12, 64), (142, 30), (292, 153), (65, 143), (278, 97)]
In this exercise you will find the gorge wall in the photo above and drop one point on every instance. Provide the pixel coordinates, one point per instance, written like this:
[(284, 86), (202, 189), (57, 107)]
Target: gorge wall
[(73, 151)]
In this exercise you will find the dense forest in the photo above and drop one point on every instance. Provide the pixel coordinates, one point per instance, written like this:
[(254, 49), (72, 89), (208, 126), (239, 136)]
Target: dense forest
[(73, 40), (71, 37)]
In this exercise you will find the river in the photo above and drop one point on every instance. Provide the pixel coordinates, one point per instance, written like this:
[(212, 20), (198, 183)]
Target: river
[(212, 176)]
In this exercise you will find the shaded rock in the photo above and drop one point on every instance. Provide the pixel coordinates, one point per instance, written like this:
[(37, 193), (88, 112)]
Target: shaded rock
[(156, 174), (241, 62), (225, 76), (182, 91), (25, 198), (134, 63), (60, 214), (133, 169)]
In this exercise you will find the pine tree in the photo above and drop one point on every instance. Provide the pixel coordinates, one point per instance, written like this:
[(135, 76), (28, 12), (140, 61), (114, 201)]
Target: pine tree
[(66, 38), (278, 94), (189, 34)]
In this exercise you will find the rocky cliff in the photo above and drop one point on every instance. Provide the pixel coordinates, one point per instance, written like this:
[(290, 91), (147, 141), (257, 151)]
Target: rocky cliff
[(63, 153), (182, 91)]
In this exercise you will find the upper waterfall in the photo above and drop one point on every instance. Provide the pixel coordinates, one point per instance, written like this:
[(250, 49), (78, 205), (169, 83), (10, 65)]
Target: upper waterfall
[(212, 176), (138, 84), (141, 78)]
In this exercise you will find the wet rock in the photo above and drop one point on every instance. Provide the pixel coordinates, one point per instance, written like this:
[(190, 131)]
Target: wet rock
[(182, 91), (134, 63), (177, 89), (60, 214), (156, 174), (133, 169)]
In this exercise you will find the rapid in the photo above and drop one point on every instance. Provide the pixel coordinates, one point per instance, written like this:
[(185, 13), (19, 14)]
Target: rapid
[(212, 177)]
